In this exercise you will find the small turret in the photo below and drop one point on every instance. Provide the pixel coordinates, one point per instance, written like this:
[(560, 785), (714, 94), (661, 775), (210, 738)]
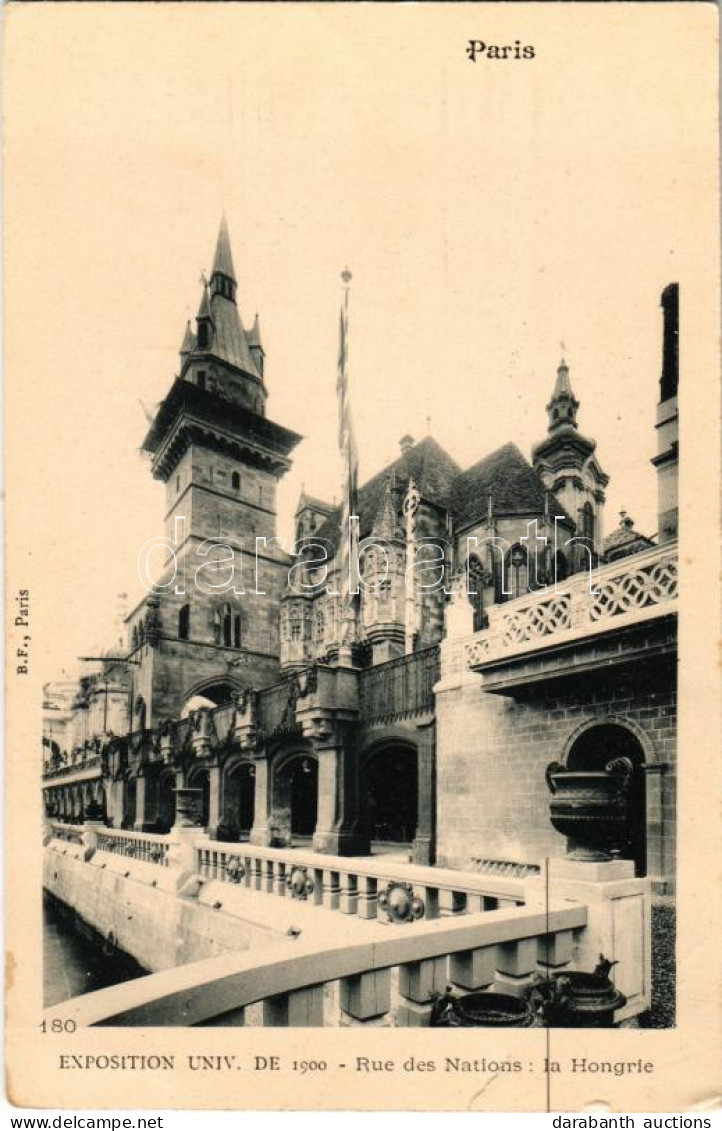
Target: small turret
[(253, 337), (562, 408)]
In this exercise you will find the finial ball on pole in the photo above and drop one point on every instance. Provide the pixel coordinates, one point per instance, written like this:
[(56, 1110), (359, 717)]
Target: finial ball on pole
[(346, 276)]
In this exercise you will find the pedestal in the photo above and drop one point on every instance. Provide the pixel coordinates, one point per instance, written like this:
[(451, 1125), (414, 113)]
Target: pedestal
[(619, 923)]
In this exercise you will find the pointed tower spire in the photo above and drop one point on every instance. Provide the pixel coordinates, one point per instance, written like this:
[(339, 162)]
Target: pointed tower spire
[(386, 522), (562, 408), (253, 337), (223, 275), (204, 321), (189, 341)]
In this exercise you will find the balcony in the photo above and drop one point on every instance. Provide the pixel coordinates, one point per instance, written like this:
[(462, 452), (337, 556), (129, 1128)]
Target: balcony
[(628, 610), (399, 688)]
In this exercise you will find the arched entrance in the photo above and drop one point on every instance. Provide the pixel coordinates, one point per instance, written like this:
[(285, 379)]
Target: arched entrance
[(596, 746), (210, 693), (129, 794), (198, 779), (239, 800), (295, 809), (165, 812), (390, 794)]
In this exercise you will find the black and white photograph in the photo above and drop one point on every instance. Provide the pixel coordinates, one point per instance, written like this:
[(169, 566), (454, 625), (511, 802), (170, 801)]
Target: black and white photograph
[(348, 349)]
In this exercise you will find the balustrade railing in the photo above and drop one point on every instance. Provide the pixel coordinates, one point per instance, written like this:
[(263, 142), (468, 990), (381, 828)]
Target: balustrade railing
[(399, 687), (73, 834), (149, 847), (513, 946), (635, 588), (89, 763), (369, 888)]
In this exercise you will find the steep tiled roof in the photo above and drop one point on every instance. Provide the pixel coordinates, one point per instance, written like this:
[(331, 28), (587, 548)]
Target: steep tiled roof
[(625, 539), (228, 338), (432, 469), (509, 478)]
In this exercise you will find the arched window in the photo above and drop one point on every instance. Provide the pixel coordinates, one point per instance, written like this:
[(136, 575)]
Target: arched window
[(320, 624), (217, 628), (475, 581), (201, 379), (184, 622), (236, 481), (588, 522), (516, 581), (562, 567), (227, 625), (295, 624), (140, 713), (237, 630)]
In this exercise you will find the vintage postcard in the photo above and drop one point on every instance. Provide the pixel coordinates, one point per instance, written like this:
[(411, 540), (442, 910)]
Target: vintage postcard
[(362, 602)]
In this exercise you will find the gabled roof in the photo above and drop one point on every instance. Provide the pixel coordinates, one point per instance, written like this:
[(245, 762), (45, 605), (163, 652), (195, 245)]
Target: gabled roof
[(432, 469), (313, 503), (509, 478)]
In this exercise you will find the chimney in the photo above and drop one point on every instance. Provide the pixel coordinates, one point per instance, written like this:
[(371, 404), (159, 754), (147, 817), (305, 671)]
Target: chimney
[(406, 443), (666, 460), (670, 345)]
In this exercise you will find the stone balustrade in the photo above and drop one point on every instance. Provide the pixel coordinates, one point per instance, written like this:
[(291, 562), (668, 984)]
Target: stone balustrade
[(628, 591), (391, 980), (73, 834), (151, 848), (370, 888)]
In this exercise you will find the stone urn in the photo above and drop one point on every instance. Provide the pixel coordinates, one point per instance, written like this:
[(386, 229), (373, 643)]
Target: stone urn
[(187, 807), (487, 1010), (576, 999), (591, 808)]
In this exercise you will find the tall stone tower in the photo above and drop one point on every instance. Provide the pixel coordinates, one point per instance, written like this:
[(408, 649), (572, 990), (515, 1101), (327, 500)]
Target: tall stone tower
[(666, 460), (208, 629), (568, 466)]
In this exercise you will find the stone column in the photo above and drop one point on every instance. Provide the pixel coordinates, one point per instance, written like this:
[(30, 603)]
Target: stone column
[(337, 830), (145, 804), (260, 833), (424, 845), (214, 800)]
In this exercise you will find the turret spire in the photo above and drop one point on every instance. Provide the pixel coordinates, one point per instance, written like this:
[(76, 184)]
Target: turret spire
[(223, 275), (562, 408)]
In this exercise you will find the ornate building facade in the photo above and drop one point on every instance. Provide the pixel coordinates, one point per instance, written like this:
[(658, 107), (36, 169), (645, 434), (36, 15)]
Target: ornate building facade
[(480, 652)]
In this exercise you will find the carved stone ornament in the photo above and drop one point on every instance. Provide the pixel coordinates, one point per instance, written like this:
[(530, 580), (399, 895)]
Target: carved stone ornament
[(299, 883), (400, 903)]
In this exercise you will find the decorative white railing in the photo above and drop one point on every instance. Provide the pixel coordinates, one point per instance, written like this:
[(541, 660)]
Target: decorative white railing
[(633, 589), (507, 948), (149, 847), (369, 888)]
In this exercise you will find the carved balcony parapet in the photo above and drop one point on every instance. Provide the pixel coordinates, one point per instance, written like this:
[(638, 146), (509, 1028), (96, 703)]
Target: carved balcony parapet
[(326, 698), (245, 722), (203, 736), (622, 593)]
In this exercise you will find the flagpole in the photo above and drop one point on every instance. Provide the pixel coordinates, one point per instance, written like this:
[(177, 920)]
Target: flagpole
[(348, 627)]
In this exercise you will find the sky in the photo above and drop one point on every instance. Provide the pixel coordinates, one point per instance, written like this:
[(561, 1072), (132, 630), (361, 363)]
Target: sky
[(488, 213)]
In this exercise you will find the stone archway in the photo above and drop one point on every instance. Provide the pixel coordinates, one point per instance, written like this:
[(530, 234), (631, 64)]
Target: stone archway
[(239, 798), (212, 692), (390, 793), (294, 812), (198, 778), (165, 806), (596, 744)]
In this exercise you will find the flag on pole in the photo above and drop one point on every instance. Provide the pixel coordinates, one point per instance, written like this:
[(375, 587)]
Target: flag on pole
[(349, 489)]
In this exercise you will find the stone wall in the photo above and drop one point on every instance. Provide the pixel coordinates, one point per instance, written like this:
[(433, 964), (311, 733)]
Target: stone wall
[(492, 751)]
